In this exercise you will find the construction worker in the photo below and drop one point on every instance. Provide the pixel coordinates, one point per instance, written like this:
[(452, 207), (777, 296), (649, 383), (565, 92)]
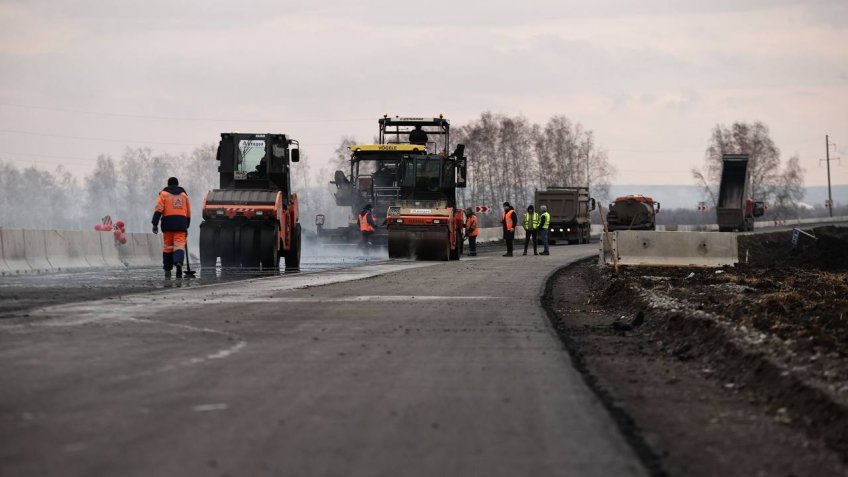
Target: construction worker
[(544, 228), (509, 220), (458, 224), (173, 209), (418, 136), (367, 225), (472, 230), (531, 227)]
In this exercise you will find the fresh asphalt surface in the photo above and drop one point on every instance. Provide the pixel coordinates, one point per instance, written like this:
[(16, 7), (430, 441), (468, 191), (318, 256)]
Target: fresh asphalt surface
[(392, 368)]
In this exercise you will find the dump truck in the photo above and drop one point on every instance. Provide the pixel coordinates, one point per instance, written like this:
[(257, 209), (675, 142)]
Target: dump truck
[(633, 212), (411, 187), (252, 219), (569, 208), (735, 209)]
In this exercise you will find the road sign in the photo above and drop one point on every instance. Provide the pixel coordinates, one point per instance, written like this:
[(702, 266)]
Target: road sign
[(482, 208)]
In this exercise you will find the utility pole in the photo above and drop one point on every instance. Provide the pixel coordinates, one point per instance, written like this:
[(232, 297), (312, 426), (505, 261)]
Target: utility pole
[(827, 145), (827, 160)]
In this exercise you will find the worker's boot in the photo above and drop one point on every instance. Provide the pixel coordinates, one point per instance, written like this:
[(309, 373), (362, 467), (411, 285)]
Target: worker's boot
[(508, 254), (179, 271), (167, 274)]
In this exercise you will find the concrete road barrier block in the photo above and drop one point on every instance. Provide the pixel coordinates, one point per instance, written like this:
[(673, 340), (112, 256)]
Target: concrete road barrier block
[(66, 248), (92, 250), (695, 249), (111, 256), (138, 250), (5, 269), (35, 250)]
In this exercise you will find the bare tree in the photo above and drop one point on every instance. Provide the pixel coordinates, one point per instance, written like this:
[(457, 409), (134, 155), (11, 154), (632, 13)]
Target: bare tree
[(341, 155), (789, 190)]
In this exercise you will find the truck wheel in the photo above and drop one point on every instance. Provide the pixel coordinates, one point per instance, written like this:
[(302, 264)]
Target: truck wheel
[(293, 255), (269, 242), (226, 245), (247, 245), (208, 251), (454, 254)]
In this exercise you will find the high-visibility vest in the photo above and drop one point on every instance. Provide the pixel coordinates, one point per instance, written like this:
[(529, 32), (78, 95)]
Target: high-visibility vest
[(545, 218), (364, 226), (531, 221), (507, 220), (471, 228), (173, 204)]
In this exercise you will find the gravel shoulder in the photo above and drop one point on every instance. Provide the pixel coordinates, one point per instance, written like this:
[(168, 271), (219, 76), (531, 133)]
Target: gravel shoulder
[(739, 371)]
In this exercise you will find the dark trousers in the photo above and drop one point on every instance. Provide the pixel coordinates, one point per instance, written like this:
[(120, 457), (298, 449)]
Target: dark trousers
[(531, 235), (509, 236), (366, 239), (472, 245)]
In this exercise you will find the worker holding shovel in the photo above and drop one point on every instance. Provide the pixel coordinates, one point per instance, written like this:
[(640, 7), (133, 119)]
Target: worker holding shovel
[(173, 209)]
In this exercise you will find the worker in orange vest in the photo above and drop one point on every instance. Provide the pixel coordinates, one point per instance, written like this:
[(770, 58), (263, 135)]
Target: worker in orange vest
[(458, 224), (509, 220), (367, 225), (472, 230), (173, 208)]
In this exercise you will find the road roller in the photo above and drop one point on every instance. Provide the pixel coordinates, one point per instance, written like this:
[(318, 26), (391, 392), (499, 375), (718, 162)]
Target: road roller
[(252, 219), (426, 223), (375, 174)]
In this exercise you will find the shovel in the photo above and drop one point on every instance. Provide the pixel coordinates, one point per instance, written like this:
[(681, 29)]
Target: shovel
[(188, 272)]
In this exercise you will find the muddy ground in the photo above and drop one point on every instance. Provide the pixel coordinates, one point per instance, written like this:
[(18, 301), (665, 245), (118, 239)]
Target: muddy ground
[(737, 371)]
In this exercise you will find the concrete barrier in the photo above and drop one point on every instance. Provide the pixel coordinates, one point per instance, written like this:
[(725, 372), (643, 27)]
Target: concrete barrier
[(140, 250), (679, 249), (66, 249), (92, 250), (35, 250), (109, 249), (14, 251), (5, 268)]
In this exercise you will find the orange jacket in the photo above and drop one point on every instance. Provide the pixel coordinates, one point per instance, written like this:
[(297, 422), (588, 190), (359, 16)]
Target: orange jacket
[(508, 220), (471, 227), (365, 220), (173, 208)]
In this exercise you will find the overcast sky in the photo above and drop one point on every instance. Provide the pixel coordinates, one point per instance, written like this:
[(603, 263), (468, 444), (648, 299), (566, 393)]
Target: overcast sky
[(650, 77)]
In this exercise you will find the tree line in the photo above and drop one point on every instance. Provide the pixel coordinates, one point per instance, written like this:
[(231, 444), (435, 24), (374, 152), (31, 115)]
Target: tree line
[(509, 157)]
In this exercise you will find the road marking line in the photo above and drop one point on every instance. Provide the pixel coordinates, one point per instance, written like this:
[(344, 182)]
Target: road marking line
[(209, 407)]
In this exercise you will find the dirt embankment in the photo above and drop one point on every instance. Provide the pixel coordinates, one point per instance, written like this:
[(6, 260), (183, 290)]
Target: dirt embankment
[(738, 371)]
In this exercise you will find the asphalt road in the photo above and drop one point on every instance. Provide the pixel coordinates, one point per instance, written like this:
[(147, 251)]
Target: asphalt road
[(399, 368)]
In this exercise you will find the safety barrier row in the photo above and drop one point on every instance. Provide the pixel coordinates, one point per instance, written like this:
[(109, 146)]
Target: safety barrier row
[(38, 251)]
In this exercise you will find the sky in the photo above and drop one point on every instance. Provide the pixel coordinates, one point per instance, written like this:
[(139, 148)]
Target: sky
[(79, 78)]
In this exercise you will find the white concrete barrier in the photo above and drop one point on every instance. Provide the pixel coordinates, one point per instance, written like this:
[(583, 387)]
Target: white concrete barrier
[(92, 250), (110, 250), (4, 269), (495, 234), (679, 249), (140, 250), (35, 250), (14, 251), (66, 248)]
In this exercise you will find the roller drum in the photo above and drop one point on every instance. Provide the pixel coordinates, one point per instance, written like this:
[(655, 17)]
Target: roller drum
[(419, 243)]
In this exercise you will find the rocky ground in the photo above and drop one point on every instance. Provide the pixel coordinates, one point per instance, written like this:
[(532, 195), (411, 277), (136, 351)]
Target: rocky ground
[(735, 371)]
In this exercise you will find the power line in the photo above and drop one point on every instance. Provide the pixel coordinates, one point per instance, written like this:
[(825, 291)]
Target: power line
[(174, 118), (99, 139)]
